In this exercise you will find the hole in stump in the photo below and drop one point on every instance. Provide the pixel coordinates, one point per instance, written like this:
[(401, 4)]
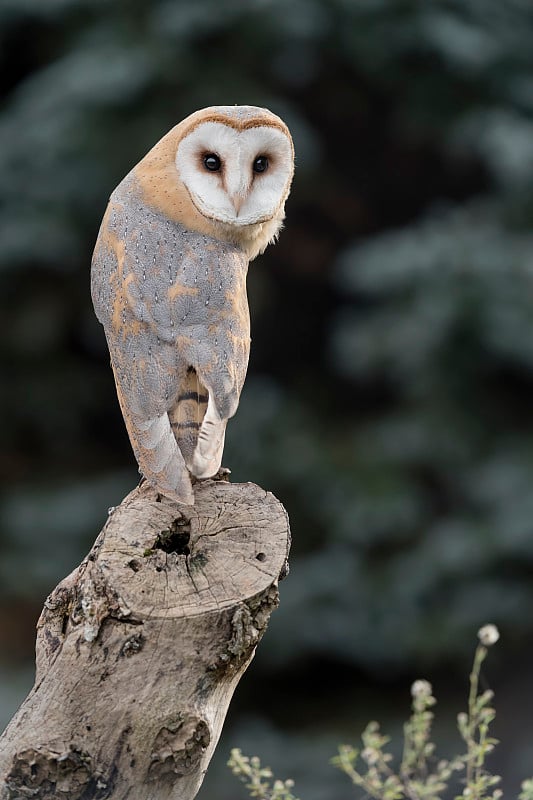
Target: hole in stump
[(176, 538), (261, 556)]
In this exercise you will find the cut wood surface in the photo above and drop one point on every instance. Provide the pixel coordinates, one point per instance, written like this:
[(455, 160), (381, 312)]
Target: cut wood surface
[(139, 650)]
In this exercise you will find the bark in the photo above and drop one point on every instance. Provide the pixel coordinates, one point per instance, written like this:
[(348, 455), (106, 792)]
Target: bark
[(140, 649)]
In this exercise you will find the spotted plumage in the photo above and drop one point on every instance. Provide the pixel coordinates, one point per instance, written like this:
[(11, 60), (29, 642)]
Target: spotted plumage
[(169, 283)]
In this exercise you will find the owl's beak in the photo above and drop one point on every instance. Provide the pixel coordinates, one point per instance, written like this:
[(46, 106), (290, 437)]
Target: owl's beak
[(237, 200)]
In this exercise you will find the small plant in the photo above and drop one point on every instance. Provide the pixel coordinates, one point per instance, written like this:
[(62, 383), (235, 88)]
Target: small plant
[(255, 777), (420, 774)]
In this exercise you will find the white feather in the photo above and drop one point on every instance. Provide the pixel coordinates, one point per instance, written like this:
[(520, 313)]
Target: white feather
[(260, 195)]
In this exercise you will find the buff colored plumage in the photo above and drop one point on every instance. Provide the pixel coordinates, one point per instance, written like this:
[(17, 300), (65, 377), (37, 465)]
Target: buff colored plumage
[(169, 283)]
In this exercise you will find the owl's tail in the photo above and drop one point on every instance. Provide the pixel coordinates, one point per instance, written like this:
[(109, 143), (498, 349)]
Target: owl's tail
[(188, 414), (198, 428)]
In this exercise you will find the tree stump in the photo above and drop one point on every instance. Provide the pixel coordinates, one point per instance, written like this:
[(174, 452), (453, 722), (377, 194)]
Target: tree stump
[(140, 649)]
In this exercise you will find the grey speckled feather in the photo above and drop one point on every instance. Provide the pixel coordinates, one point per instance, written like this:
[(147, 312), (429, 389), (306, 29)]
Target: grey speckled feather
[(171, 301)]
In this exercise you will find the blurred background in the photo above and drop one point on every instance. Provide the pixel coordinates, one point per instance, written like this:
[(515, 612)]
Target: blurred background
[(390, 391)]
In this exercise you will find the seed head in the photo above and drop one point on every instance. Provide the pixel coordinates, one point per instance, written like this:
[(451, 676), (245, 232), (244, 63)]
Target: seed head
[(421, 688), (488, 635)]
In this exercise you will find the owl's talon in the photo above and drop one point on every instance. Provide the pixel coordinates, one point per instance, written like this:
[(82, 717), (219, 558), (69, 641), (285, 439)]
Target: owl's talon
[(222, 475)]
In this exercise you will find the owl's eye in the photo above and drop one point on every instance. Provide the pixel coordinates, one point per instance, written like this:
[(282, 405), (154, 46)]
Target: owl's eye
[(212, 162), (260, 164)]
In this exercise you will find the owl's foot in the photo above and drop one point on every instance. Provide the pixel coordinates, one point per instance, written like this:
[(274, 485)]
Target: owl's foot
[(222, 475)]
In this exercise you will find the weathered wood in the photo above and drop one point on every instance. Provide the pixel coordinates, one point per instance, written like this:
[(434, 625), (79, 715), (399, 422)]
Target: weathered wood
[(139, 650)]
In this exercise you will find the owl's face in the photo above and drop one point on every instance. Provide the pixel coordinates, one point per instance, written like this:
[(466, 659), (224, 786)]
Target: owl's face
[(235, 175)]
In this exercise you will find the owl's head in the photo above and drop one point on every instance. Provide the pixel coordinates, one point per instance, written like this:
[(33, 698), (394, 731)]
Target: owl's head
[(224, 170), (237, 164)]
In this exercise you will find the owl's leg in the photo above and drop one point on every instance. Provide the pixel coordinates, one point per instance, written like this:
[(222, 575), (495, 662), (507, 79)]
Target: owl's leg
[(208, 453)]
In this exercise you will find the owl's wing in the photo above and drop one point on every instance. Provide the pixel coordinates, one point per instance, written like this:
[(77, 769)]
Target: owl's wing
[(143, 364), (174, 309), (153, 442), (195, 300)]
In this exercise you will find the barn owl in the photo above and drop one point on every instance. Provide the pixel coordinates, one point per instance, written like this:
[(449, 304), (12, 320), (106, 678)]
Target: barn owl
[(168, 283)]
